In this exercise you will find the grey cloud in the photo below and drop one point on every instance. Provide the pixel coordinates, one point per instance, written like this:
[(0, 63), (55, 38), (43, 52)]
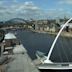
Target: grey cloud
[(25, 9)]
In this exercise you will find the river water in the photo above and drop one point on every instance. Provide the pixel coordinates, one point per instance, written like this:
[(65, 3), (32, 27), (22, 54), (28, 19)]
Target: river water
[(33, 42)]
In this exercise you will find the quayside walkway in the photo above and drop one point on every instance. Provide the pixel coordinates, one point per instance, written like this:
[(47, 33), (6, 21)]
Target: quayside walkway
[(20, 62)]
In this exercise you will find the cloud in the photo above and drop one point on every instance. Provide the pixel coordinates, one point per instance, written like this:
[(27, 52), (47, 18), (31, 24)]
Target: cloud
[(29, 3), (28, 6), (15, 1), (2, 2), (65, 2), (54, 13), (27, 10)]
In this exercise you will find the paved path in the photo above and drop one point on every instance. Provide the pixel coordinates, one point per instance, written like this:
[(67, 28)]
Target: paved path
[(21, 63)]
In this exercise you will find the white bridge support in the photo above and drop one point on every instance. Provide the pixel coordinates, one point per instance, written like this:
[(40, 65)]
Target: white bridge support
[(54, 42)]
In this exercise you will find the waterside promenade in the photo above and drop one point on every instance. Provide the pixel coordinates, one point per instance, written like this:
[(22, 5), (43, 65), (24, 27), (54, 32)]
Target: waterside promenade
[(20, 62)]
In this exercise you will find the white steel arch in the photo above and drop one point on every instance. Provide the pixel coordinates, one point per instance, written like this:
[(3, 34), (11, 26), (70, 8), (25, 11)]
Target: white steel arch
[(54, 42)]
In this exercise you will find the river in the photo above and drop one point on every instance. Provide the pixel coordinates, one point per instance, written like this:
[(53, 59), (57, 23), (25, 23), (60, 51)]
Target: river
[(33, 42)]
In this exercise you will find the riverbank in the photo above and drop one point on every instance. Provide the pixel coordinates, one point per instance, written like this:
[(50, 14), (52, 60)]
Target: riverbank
[(63, 34)]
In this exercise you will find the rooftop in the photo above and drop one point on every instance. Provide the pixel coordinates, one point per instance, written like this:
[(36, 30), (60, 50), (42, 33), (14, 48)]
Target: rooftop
[(10, 36)]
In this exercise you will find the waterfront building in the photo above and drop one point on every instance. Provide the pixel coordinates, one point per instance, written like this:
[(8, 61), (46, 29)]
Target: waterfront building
[(10, 40), (46, 25)]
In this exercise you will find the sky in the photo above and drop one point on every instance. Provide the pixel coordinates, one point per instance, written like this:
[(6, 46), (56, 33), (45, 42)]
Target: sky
[(35, 9)]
